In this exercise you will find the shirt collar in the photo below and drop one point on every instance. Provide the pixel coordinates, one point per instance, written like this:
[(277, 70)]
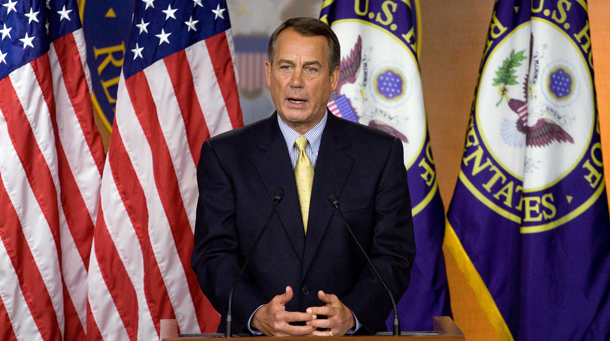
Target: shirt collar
[(314, 135)]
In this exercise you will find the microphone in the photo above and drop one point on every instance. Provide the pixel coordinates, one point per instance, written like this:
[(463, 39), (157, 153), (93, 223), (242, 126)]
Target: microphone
[(334, 200), (278, 195)]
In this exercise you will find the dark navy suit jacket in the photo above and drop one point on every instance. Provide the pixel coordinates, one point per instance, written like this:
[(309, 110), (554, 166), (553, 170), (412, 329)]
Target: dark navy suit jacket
[(238, 173)]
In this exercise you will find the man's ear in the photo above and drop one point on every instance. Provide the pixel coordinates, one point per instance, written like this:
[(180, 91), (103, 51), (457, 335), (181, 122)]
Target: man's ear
[(334, 79), (268, 73)]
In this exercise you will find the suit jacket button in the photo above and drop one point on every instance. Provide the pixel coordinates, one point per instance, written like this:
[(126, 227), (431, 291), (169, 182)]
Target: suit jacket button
[(305, 291)]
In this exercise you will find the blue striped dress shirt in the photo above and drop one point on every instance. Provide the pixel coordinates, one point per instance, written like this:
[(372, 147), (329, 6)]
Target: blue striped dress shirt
[(314, 137)]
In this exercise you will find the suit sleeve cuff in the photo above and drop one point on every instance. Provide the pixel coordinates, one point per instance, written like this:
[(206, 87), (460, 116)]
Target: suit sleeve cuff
[(257, 332), (356, 327)]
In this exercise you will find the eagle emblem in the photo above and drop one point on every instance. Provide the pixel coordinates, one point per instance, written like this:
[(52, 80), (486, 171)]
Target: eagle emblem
[(545, 131), (349, 69)]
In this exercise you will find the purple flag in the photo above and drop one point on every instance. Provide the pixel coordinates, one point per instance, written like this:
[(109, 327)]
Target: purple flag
[(529, 223)]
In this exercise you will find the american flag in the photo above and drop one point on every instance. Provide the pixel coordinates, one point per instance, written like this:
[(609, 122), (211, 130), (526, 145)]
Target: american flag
[(251, 71), (251, 54), (177, 89), (51, 159)]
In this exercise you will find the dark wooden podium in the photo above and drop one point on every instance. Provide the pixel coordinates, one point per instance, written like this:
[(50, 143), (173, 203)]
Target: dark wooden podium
[(444, 329)]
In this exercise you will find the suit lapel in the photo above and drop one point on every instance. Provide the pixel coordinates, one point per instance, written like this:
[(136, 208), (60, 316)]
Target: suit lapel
[(275, 170), (332, 169)]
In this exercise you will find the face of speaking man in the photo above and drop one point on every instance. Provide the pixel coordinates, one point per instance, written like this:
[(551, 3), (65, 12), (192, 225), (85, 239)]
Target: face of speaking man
[(300, 79)]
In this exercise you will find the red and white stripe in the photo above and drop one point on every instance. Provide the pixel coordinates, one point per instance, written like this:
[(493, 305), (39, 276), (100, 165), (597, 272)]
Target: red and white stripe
[(251, 70), (522, 112), (332, 106), (140, 263), (50, 173)]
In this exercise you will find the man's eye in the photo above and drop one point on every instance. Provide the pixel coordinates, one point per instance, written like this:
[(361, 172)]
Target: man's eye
[(311, 69), (284, 67)]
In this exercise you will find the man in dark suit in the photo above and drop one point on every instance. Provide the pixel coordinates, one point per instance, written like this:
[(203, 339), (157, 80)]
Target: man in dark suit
[(307, 276)]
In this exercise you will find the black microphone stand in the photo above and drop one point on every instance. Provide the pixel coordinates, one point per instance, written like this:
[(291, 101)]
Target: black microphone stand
[(278, 195), (334, 200)]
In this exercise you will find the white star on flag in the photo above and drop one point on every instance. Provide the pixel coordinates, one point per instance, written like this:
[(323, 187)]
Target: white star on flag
[(10, 6), (163, 37), (32, 16), (64, 13), (2, 55), (5, 31), (197, 3), (149, 3), (169, 12), (142, 26), (191, 24), (27, 41), (137, 52), (218, 11)]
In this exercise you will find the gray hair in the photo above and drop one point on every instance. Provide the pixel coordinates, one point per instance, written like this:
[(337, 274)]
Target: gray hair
[(309, 27)]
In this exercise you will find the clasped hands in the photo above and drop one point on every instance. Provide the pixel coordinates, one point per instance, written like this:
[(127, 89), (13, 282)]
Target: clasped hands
[(272, 319)]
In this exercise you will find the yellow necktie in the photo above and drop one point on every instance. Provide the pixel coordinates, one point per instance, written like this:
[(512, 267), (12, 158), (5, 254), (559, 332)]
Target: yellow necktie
[(303, 173)]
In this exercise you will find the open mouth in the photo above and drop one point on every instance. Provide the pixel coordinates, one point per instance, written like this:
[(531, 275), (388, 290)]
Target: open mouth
[(296, 100)]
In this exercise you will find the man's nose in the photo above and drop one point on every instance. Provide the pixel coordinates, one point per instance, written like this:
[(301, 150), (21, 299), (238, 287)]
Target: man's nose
[(296, 81)]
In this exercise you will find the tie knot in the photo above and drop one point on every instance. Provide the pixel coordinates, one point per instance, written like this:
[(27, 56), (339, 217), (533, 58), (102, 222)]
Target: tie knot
[(300, 143)]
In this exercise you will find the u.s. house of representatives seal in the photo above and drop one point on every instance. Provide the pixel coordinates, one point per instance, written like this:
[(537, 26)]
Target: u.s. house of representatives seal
[(534, 142)]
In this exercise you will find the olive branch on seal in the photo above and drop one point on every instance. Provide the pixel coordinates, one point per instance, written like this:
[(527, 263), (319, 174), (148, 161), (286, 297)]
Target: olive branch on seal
[(506, 74)]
